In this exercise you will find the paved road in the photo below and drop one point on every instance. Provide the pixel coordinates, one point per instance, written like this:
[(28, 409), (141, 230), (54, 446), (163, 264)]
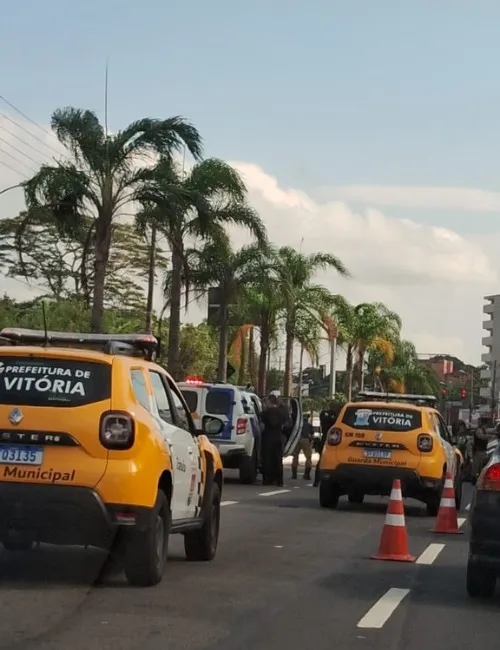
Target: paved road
[(287, 576)]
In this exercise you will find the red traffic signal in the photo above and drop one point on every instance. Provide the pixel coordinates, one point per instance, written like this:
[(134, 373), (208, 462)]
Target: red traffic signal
[(463, 393), (444, 392)]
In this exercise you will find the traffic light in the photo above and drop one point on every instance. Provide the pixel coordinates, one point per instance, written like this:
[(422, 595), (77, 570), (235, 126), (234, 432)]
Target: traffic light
[(463, 393), (444, 392)]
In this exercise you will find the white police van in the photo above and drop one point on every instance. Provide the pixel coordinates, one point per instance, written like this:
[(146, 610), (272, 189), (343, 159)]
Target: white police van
[(239, 408)]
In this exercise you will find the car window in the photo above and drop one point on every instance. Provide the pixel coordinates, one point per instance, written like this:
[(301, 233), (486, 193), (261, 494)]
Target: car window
[(183, 416), (140, 388), (443, 430), (191, 397), (382, 419), (46, 381), (161, 397), (218, 402), (255, 405)]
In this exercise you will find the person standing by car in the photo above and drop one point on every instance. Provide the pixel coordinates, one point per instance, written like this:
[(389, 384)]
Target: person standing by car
[(303, 445), (326, 420), (273, 420)]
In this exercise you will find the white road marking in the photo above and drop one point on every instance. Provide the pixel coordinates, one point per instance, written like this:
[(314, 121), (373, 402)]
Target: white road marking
[(430, 554), (380, 613), (467, 507), (278, 547), (461, 521), (271, 494), (228, 503)]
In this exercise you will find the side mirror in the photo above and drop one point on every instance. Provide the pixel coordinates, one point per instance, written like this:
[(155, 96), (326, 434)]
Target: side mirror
[(212, 426)]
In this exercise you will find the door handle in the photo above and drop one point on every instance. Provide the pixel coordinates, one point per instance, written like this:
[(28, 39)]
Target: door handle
[(190, 451)]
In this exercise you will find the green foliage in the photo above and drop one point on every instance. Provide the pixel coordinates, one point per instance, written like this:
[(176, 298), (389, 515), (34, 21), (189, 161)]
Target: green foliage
[(198, 351)]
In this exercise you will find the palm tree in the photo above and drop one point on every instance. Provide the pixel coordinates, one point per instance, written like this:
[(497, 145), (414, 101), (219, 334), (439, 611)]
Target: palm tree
[(101, 176), (295, 272), (407, 374), (194, 206)]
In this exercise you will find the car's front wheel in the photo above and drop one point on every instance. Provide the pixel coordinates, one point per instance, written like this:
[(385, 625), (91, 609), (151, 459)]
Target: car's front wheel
[(201, 545), (146, 551), (481, 581)]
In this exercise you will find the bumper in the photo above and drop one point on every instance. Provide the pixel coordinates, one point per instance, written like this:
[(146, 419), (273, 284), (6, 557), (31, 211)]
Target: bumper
[(378, 480), (232, 454), (484, 525), (66, 515)]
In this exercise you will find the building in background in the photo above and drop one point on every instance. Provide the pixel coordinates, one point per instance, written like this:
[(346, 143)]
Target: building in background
[(490, 381)]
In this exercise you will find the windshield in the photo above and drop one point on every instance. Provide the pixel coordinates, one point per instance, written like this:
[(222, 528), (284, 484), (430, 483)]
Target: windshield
[(28, 381), (191, 398), (218, 402), (382, 419)]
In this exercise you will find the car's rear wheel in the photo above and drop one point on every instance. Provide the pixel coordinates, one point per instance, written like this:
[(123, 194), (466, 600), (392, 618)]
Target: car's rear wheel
[(201, 545), (481, 581), (248, 468), (458, 489), (146, 551), (356, 497), (329, 494)]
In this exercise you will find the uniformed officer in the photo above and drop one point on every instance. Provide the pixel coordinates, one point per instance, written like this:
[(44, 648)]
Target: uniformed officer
[(326, 421), (274, 418)]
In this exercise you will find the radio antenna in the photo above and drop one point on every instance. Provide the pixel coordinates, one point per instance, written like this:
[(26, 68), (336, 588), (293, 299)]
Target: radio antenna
[(45, 328)]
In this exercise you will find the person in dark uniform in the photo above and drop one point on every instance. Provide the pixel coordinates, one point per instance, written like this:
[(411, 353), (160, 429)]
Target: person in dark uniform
[(274, 418), (326, 421)]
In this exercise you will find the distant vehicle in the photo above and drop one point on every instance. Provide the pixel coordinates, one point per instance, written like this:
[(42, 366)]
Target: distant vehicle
[(384, 436)]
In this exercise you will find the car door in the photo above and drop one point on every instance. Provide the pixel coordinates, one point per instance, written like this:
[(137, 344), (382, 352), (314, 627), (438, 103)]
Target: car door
[(186, 426), (444, 434), (178, 441), (295, 412)]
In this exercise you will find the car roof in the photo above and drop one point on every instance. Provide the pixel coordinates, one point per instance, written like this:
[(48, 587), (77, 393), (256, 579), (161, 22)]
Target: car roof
[(55, 352), (390, 405)]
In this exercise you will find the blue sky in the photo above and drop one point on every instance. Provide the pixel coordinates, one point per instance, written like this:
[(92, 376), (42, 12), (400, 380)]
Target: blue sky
[(318, 94)]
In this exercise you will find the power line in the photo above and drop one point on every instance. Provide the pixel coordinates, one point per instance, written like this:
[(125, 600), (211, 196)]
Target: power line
[(16, 159), (12, 168), (9, 144), (20, 126), (26, 117)]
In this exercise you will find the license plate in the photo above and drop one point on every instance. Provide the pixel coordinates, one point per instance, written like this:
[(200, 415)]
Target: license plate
[(20, 455), (377, 453)]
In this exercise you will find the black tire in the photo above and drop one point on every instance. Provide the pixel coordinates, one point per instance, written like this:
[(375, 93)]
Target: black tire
[(356, 497), (17, 544), (201, 545), (481, 581), (248, 468), (329, 495), (146, 551), (458, 489)]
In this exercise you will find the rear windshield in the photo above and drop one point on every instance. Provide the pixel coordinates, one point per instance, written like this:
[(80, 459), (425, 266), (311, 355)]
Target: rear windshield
[(27, 381), (191, 398), (382, 419), (218, 402)]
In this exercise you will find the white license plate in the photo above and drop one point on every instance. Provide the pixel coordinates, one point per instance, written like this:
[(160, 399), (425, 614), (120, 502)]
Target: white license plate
[(20, 455), (378, 453)]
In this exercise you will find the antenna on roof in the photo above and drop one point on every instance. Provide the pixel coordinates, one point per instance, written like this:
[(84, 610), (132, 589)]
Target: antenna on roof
[(45, 328)]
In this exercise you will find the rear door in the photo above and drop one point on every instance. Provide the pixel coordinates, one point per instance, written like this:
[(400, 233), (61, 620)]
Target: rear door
[(380, 435), (194, 398), (220, 402), (295, 414), (50, 408)]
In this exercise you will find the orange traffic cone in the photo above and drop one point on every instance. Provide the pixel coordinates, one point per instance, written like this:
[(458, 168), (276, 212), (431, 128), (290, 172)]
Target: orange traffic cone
[(447, 521), (394, 541)]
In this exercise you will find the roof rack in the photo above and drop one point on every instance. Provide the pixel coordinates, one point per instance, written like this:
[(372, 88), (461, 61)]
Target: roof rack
[(368, 395), (144, 345)]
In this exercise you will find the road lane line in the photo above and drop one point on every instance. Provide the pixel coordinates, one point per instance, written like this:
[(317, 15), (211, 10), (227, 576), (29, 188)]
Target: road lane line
[(467, 507), (461, 521), (430, 554), (228, 503), (379, 614), (271, 494)]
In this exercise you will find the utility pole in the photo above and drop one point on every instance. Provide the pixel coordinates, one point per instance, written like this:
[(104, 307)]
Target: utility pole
[(471, 395), (493, 383), (333, 359)]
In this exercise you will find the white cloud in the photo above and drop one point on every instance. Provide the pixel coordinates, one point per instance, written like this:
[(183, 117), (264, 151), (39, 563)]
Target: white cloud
[(437, 198), (432, 276)]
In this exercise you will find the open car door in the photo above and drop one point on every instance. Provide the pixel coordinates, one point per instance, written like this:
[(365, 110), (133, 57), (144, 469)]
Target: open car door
[(295, 411)]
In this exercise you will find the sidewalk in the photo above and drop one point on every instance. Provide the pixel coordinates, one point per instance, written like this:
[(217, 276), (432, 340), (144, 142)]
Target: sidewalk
[(302, 459)]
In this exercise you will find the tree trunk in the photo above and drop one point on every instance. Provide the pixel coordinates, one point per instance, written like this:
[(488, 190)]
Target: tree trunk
[(174, 325), (223, 344), (243, 357), (264, 351), (361, 370), (151, 282), (101, 250), (290, 337), (300, 373), (348, 368), (251, 355)]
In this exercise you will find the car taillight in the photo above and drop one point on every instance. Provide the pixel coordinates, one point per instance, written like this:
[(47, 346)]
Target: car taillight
[(334, 437), (241, 426), (117, 430), (425, 442), (489, 479)]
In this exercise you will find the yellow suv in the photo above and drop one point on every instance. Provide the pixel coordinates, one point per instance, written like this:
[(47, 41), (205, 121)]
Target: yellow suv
[(98, 448), (384, 436)]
